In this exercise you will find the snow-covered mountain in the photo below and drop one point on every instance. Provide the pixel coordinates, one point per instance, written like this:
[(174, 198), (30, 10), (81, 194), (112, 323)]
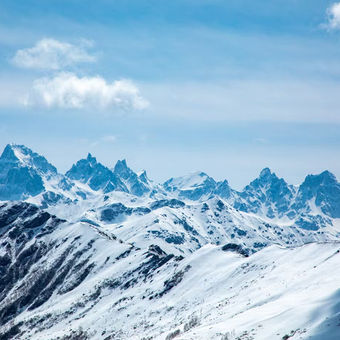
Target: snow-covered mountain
[(26, 175), (319, 192), (95, 175), (22, 172), (136, 184), (312, 205), (268, 195), (99, 177), (197, 186), (75, 281), (106, 253)]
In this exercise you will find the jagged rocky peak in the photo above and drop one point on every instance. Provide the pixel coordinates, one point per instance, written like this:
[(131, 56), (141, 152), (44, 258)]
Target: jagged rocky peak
[(136, 185), (8, 153), (267, 194), (144, 177), (267, 178), (92, 160), (83, 169), (123, 170), (121, 165), (266, 173), (23, 172), (100, 177), (324, 178), (21, 155), (96, 175), (223, 189), (323, 190)]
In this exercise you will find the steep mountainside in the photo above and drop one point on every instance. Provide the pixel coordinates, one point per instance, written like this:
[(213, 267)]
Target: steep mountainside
[(95, 175), (22, 172), (75, 281)]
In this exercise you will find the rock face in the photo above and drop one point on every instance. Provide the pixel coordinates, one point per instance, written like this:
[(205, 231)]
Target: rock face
[(22, 228), (96, 175), (22, 173), (321, 191), (267, 194), (99, 177), (137, 185)]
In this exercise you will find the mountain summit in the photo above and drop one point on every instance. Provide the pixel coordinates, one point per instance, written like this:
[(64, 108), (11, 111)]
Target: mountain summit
[(96, 175), (23, 172), (321, 191), (267, 194), (136, 185), (22, 156)]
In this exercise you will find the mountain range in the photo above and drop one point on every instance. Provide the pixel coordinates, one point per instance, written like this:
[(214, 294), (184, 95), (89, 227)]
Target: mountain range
[(25, 174), (107, 253)]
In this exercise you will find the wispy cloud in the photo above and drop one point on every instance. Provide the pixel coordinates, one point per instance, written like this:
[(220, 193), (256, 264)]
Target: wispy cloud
[(333, 13), (109, 139), (68, 91), (52, 54)]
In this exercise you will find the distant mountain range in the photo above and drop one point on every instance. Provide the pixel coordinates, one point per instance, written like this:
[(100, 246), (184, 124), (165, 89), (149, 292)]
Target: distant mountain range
[(106, 253), (25, 174)]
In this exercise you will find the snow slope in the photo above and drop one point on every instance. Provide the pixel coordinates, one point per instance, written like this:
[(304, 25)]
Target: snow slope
[(74, 280)]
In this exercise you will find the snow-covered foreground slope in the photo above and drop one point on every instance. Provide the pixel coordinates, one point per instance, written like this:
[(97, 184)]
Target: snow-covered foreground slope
[(75, 281)]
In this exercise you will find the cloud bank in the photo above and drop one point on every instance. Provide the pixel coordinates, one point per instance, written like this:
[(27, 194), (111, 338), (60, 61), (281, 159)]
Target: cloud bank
[(68, 91), (51, 54), (334, 16)]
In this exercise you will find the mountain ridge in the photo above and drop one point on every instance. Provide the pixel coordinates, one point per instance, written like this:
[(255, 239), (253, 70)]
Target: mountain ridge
[(315, 202)]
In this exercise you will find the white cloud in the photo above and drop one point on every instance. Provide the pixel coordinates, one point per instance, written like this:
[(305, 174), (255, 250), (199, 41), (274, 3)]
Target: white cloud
[(68, 91), (52, 54), (333, 13)]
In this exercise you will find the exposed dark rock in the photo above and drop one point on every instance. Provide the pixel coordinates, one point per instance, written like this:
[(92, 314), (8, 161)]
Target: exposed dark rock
[(236, 248), (173, 203)]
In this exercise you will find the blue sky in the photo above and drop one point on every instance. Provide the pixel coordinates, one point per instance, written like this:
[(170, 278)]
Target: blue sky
[(226, 87)]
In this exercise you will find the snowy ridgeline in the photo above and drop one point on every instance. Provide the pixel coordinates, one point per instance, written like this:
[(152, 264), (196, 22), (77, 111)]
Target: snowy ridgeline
[(75, 281), (26, 175), (102, 253)]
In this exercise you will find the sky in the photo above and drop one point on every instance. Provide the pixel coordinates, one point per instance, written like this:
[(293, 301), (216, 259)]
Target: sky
[(225, 87)]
